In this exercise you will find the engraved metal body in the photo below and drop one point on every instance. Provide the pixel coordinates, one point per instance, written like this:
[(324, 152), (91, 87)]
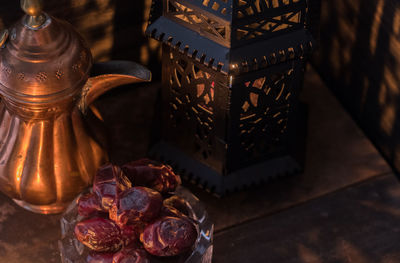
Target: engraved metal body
[(47, 154)]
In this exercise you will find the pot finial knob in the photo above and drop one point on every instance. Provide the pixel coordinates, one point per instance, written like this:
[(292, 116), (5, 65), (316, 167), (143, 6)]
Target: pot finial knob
[(33, 8)]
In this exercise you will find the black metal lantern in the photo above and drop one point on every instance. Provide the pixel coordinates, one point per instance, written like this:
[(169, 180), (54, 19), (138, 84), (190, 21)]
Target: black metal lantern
[(232, 72)]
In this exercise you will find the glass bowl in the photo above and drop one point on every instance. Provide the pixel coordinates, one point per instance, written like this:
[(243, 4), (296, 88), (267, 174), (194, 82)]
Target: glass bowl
[(72, 251)]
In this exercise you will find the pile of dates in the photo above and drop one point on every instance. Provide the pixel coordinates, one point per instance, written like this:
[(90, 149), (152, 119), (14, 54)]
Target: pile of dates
[(132, 216)]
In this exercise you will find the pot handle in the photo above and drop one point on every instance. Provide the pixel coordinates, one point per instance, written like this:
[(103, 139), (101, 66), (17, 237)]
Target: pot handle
[(108, 75), (3, 37)]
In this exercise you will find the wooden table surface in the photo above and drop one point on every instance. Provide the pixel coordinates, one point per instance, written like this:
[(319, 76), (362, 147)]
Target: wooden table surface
[(344, 208)]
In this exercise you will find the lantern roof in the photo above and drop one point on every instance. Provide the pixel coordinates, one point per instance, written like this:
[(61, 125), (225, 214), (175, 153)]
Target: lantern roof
[(233, 36)]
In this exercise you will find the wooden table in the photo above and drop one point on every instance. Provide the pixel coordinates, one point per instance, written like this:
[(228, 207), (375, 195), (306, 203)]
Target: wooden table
[(344, 208)]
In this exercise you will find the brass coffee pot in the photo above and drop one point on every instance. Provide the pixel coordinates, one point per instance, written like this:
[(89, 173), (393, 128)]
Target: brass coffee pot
[(47, 153)]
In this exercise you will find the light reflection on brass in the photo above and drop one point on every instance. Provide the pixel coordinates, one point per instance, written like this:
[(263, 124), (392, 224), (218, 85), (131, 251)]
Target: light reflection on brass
[(33, 8), (3, 37), (47, 154)]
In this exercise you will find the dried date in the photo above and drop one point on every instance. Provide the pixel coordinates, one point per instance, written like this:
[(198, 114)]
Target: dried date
[(131, 254), (129, 234), (152, 174), (136, 205), (99, 234), (178, 203), (88, 205), (171, 211), (100, 258), (109, 181), (169, 236)]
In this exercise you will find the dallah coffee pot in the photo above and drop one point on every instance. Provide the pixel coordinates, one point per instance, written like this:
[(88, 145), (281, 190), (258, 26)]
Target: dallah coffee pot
[(47, 81)]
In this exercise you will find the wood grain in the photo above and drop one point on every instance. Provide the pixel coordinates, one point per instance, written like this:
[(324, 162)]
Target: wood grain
[(360, 224)]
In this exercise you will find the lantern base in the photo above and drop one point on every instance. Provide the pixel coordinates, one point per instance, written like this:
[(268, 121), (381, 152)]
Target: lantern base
[(214, 181), (205, 177)]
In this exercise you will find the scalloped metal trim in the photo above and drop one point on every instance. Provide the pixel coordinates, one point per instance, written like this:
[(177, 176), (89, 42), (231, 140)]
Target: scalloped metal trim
[(185, 49), (264, 60), (208, 179)]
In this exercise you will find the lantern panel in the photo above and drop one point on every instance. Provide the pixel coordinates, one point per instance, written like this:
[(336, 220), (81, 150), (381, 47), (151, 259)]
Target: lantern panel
[(199, 20), (193, 106), (219, 8), (262, 102), (262, 19)]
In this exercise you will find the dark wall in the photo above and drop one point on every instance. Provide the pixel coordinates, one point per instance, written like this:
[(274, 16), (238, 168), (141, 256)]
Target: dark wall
[(130, 21), (359, 58)]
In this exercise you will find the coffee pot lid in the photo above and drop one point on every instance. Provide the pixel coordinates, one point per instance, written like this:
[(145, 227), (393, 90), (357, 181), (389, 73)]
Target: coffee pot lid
[(41, 57)]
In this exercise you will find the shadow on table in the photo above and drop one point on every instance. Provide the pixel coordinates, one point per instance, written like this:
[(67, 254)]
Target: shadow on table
[(359, 224)]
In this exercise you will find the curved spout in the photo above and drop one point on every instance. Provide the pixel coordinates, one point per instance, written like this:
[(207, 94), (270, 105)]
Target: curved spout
[(111, 74)]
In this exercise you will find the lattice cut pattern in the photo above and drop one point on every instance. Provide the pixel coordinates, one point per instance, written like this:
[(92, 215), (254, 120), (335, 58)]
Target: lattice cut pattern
[(210, 26), (220, 6), (264, 18), (264, 112), (192, 104)]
